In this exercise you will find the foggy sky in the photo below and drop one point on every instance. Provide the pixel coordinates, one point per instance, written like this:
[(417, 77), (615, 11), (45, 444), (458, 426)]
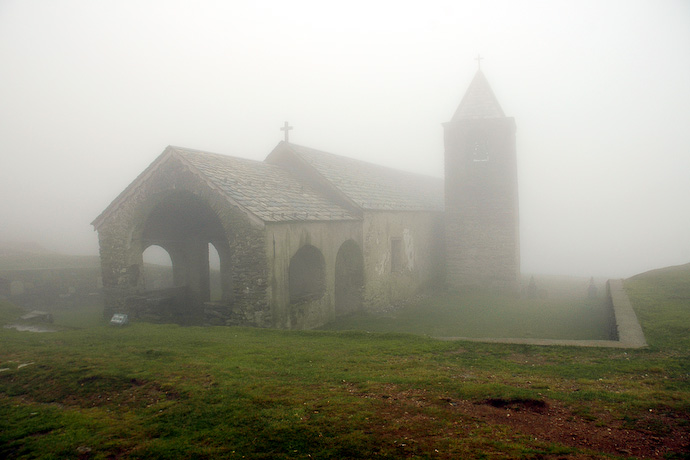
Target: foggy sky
[(92, 92)]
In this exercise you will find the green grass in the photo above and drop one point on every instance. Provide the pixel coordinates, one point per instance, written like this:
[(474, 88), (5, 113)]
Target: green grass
[(64, 317), (165, 391), (80, 316), (662, 304), (9, 312)]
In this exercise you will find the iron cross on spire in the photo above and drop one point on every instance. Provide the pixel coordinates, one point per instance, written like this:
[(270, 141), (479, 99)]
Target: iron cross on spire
[(286, 127), (479, 62)]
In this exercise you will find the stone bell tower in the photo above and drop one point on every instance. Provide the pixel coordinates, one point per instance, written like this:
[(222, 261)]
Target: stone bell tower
[(481, 193)]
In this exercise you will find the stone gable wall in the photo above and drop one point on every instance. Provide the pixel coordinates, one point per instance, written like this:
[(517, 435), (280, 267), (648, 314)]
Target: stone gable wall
[(121, 245)]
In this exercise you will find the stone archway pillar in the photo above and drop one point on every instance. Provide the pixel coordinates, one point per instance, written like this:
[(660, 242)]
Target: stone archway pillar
[(198, 275)]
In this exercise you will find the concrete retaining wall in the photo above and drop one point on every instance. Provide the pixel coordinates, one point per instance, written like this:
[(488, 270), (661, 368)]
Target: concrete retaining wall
[(627, 328)]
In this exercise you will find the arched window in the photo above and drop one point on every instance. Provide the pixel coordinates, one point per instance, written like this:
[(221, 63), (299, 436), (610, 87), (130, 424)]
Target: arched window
[(307, 275)]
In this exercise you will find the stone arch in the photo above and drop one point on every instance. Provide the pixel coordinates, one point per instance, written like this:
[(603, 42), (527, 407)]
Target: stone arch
[(349, 278), (225, 267), (157, 268), (307, 275), (184, 224)]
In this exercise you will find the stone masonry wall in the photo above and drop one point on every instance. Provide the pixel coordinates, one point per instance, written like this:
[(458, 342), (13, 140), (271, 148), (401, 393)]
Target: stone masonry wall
[(482, 214), (420, 239), (282, 241), (121, 244)]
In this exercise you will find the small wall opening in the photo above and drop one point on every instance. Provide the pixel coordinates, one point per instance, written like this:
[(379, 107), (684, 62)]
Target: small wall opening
[(307, 275), (158, 268), (216, 285)]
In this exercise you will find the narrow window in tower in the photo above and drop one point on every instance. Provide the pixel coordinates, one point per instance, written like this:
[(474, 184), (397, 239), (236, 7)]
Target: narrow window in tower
[(480, 152), (396, 255)]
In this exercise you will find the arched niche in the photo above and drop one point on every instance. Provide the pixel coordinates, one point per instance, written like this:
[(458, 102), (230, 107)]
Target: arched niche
[(349, 278), (307, 275)]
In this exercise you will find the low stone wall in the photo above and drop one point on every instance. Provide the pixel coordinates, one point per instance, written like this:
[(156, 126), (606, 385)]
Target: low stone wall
[(47, 288)]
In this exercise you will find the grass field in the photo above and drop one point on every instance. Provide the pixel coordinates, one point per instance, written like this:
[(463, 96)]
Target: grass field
[(164, 391)]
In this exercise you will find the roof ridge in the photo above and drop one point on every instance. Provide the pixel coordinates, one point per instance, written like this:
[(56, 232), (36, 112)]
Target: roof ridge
[(373, 186), (182, 150), (364, 162)]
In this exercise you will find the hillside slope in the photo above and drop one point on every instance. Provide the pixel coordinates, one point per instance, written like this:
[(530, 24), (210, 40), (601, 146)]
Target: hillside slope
[(661, 299)]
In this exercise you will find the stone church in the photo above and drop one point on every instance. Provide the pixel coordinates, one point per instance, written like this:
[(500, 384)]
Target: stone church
[(306, 236)]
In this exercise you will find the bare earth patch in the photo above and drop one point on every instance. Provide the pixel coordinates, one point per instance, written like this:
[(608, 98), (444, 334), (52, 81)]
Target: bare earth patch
[(545, 421)]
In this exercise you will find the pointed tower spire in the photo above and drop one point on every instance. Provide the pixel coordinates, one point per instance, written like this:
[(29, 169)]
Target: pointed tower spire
[(479, 101)]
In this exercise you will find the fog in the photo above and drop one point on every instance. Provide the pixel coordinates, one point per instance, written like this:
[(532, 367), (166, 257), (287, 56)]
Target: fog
[(92, 92)]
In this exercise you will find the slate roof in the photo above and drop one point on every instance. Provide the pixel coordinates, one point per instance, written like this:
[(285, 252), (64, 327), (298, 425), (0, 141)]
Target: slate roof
[(274, 193), (479, 101), (270, 192), (374, 187)]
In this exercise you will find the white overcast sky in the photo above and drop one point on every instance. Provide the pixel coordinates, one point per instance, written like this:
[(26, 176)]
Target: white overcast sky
[(91, 92)]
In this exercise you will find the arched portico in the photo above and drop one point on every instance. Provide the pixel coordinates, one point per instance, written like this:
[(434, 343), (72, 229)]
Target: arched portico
[(184, 225)]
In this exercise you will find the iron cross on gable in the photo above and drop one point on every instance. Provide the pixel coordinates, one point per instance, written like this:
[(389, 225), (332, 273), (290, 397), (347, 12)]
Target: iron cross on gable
[(479, 62), (286, 127)]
